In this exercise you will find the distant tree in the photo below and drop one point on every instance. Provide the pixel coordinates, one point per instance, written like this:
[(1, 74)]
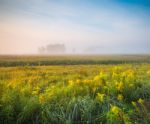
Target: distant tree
[(41, 50), (52, 49), (55, 48)]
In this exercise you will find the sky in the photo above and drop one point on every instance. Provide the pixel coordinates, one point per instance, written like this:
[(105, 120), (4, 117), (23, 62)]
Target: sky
[(84, 26)]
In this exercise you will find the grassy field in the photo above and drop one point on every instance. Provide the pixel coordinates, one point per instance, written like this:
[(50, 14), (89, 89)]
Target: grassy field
[(75, 89), (71, 60)]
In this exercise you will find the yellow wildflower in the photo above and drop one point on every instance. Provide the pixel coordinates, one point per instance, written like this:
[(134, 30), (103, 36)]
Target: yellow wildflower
[(123, 74), (9, 85), (78, 81), (114, 75), (120, 97), (120, 86), (41, 99), (115, 110), (100, 97), (117, 68), (87, 81), (133, 103), (48, 90), (35, 92), (37, 88), (102, 75), (71, 82), (130, 74), (148, 72), (97, 78), (141, 101)]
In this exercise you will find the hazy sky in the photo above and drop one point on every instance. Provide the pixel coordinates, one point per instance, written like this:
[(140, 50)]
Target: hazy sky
[(88, 26)]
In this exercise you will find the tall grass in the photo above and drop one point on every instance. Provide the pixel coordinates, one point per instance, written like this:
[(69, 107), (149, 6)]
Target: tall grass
[(81, 94)]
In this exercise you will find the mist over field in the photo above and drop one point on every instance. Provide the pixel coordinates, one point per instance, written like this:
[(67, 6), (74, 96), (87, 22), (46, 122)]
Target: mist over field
[(82, 26)]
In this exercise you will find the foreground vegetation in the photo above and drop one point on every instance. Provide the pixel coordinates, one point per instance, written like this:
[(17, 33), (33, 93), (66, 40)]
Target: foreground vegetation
[(75, 94)]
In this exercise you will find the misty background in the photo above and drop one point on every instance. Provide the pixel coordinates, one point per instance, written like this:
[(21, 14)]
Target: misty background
[(74, 26)]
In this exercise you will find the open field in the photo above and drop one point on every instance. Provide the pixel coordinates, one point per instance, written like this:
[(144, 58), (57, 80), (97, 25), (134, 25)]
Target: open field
[(74, 61), (33, 60), (79, 90)]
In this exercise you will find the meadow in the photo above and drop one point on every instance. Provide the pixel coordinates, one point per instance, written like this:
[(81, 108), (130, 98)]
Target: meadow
[(75, 89), (36, 60)]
